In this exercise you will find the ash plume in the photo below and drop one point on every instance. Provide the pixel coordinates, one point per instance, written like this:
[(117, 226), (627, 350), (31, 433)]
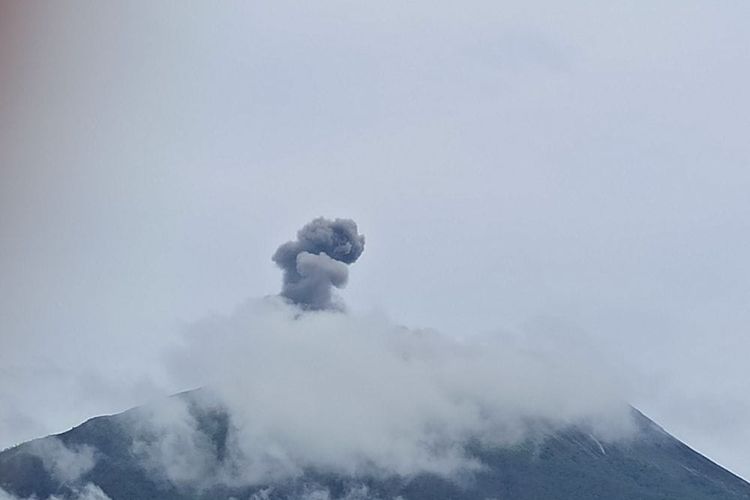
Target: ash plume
[(317, 261)]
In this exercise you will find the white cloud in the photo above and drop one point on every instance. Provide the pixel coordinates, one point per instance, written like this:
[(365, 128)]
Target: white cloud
[(358, 394), (66, 464)]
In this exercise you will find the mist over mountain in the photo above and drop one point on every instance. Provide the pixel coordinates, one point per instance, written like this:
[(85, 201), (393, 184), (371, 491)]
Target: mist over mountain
[(104, 460), (320, 405), (301, 400)]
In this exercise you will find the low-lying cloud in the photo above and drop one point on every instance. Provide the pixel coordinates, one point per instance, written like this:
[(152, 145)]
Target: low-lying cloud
[(291, 385), (360, 395), (65, 464)]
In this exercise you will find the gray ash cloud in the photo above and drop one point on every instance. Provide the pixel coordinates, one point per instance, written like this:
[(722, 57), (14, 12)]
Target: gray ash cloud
[(317, 261)]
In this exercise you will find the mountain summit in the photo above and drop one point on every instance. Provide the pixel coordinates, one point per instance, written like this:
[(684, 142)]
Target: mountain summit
[(102, 459)]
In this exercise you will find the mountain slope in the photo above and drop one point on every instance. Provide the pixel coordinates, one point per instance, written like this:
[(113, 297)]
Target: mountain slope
[(567, 464)]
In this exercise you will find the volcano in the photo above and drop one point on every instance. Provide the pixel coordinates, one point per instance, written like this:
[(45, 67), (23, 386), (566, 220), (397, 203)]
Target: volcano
[(554, 464)]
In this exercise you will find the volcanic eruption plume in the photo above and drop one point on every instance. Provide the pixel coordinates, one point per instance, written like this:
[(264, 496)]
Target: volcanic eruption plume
[(317, 261)]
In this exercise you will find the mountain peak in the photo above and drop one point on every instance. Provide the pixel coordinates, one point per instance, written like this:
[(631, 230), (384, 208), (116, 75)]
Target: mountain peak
[(103, 458)]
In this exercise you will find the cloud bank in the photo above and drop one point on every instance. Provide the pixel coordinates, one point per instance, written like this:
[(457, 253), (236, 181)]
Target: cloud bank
[(64, 463), (359, 395), (67, 465)]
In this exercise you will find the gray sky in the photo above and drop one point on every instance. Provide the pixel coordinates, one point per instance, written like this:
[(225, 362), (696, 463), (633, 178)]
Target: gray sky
[(515, 165)]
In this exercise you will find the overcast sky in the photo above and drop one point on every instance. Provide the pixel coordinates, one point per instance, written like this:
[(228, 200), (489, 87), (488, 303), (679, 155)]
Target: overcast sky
[(572, 168)]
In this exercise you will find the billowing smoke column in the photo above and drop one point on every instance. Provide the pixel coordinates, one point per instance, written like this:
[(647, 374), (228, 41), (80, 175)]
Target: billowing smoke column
[(317, 261)]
